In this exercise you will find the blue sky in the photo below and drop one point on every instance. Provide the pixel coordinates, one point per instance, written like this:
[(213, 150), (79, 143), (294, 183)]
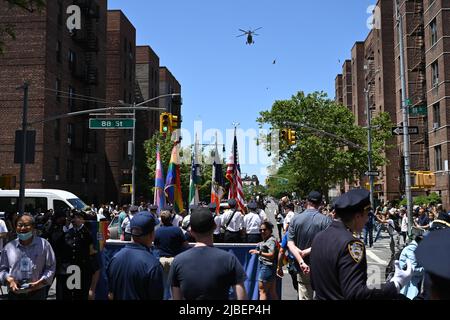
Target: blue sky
[(224, 80)]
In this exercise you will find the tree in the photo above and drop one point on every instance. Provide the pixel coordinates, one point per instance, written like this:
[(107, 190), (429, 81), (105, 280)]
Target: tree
[(7, 30), (318, 161)]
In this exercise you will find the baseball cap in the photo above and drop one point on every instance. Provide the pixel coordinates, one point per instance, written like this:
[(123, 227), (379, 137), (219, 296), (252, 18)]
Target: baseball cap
[(232, 203), (142, 224), (202, 220), (315, 197)]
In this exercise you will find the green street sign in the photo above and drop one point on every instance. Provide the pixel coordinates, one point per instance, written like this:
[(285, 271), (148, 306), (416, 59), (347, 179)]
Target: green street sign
[(418, 111), (408, 102), (111, 123)]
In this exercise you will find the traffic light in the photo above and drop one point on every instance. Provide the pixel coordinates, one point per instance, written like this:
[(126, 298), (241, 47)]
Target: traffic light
[(292, 139), (126, 189), (165, 123), (284, 135), (175, 122), (422, 179)]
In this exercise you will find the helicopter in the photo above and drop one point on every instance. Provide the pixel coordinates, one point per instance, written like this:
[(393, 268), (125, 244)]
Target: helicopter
[(249, 34)]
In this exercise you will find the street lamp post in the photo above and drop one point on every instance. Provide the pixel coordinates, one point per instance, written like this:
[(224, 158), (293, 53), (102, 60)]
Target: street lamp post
[(369, 146), (133, 166)]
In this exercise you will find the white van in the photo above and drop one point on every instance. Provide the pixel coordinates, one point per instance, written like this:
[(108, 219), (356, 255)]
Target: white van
[(40, 200)]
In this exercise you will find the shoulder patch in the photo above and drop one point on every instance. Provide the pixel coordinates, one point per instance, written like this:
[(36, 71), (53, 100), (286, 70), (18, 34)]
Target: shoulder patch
[(356, 250)]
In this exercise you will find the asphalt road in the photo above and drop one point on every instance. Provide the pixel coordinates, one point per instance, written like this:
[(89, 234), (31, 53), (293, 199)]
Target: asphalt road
[(378, 258)]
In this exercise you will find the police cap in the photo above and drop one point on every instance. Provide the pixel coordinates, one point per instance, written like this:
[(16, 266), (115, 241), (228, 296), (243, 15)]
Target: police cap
[(153, 207), (232, 203), (142, 224), (212, 206), (168, 208), (433, 253), (315, 197), (252, 205), (352, 201)]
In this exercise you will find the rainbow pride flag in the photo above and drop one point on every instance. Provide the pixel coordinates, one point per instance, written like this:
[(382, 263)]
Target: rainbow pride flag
[(173, 181)]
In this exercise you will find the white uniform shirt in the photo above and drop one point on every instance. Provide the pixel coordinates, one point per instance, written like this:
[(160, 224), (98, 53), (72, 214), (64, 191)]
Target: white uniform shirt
[(404, 227), (236, 224), (218, 221), (252, 223), (288, 219), (262, 215), (3, 229), (177, 220), (126, 223)]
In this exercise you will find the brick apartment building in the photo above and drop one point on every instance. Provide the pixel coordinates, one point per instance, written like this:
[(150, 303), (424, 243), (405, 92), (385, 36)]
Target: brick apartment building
[(436, 17), (63, 70), (120, 80), (169, 84), (371, 69), (147, 78), (426, 34)]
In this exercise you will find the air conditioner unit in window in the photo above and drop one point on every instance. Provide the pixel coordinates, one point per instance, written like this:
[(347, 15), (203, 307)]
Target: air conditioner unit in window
[(69, 141), (435, 125), (57, 177), (83, 180)]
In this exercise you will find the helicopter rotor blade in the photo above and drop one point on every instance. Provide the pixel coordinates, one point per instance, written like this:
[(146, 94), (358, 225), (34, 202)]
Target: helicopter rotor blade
[(243, 31), (241, 35), (257, 29), (255, 34)]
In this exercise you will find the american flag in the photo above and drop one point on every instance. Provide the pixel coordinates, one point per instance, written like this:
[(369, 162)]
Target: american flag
[(234, 176)]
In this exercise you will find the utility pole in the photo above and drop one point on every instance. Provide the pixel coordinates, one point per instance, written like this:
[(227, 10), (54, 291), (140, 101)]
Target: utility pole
[(369, 144), (133, 166), (405, 110), (24, 148)]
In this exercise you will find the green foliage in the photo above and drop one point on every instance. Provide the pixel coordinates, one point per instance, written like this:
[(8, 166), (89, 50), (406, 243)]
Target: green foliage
[(432, 199), (319, 161), (7, 30)]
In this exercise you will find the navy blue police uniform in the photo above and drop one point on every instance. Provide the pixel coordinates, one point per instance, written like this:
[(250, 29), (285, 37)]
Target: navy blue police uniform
[(433, 254), (134, 273), (338, 259)]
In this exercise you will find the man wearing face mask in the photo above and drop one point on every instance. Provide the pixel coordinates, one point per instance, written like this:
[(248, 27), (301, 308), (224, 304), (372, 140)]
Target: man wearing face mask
[(27, 264)]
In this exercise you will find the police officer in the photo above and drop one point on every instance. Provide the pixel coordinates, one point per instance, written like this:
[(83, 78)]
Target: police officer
[(433, 253), (134, 273), (338, 259), (232, 223), (78, 249), (252, 223)]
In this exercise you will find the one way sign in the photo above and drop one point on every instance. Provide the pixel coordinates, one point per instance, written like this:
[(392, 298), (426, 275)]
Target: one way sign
[(398, 131)]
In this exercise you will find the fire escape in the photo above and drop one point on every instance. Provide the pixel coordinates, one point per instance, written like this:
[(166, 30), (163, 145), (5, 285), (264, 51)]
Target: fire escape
[(417, 84), (86, 70)]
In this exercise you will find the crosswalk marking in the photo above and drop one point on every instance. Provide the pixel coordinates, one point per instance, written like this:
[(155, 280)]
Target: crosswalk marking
[(374, 257)]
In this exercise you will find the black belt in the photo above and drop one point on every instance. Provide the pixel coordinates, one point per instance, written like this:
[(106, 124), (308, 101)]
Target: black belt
[(232, 231)]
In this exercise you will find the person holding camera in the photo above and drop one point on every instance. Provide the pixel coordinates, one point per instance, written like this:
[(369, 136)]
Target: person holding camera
[(27, 264)]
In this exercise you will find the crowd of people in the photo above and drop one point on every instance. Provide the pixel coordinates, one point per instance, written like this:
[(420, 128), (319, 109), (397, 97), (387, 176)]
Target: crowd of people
[(322, 247)]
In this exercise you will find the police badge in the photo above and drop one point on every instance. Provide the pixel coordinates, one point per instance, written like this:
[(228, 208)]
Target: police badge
[(356, 250)]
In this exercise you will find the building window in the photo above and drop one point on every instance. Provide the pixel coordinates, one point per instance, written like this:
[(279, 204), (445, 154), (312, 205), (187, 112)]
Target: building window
[(435, 73), (94, 172), (436, 115), (438, 158), (85, 173), (70, 134), (58, 89), (433, 32), (60, 12), (57, 128), (125, 41), (58, 51), (125, 66), (71, 98), (72, 57), (57, 173), (70, 171)]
